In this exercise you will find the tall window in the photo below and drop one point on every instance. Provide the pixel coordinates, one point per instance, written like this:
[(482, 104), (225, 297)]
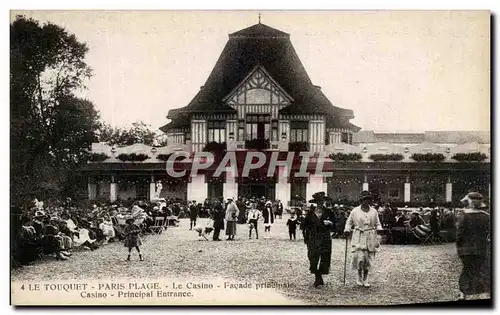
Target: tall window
[(297, 189), (299, 131), (257, 127), (346, 137), (274, 130), (252, 131), (241, 130), (335, 137), (142, 190), (215, 190), (216, 131)]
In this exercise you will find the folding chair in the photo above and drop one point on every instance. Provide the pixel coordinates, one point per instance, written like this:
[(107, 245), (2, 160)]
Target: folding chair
[(424, 234), (173, 219), (158, 226)]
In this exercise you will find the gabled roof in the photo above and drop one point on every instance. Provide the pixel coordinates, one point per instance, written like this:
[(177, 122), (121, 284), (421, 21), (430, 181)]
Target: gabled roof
[(271, 48), (260, 69)]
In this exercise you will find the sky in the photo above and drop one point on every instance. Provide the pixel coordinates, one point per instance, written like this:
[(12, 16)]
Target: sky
[(399, 71)]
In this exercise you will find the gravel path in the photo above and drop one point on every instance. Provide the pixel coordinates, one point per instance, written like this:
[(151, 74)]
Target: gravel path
[(402, 274)]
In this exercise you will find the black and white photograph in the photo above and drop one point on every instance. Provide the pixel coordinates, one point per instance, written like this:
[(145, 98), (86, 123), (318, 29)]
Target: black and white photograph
[(252, 157)]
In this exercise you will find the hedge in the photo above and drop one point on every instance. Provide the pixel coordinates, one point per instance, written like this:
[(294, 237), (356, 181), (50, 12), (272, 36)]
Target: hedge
[(98, 157), (386, 157), (345, 156), (470, 157), (133, 157), (428, 157)]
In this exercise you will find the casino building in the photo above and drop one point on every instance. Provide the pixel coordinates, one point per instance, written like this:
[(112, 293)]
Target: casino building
[(259, 97)]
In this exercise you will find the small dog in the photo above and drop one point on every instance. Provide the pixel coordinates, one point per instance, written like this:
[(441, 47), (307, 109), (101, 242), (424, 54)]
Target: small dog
[(203, 231)]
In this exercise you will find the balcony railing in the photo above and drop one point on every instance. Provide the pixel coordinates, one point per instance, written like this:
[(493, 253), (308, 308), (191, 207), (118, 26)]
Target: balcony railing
[(299, 146), (257, 144), (215, 147)]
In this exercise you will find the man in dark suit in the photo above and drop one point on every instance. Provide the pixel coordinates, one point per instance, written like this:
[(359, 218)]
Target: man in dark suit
[(193, 213), (473, 246), (218, 217)]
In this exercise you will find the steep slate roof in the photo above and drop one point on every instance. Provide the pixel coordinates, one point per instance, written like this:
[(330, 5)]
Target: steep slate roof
[(336, 122), (181, 120), (271, 48)]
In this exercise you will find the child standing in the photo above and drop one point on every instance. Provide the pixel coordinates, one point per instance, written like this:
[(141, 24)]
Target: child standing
[(132, 239), (292, 226), (300, 221), (268, 218), (254, 216)]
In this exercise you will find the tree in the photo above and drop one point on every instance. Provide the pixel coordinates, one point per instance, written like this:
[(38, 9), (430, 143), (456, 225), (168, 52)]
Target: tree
[(51, 128), (138, 133)]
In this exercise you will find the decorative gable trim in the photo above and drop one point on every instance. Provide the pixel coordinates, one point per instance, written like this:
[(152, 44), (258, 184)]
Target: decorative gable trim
[(258, 78)]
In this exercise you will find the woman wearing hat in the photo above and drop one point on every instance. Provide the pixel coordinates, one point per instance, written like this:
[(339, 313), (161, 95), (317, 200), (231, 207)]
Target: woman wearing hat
[(232, 213), (363, 222), (473, 246)]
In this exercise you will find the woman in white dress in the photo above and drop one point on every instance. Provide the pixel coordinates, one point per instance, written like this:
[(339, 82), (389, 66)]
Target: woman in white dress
[(363, 222), (106, 226)]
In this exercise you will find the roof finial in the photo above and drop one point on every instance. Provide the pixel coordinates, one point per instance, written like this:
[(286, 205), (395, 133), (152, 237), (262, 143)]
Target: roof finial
[(259, 18)]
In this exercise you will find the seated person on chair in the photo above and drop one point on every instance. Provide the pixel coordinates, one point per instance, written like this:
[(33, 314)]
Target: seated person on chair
[(416, 220), (400, 220), (434, 222)]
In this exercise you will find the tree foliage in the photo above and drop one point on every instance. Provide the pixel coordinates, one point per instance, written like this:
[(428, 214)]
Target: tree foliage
[(50, 126), (138, 133)]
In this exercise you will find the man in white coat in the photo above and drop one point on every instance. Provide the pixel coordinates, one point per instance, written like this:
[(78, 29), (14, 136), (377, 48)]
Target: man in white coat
[(363, 222)]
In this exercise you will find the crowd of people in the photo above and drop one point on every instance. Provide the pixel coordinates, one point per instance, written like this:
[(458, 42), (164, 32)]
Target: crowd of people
[(225, 215), (60, 228), (57, 230), (364, 227)]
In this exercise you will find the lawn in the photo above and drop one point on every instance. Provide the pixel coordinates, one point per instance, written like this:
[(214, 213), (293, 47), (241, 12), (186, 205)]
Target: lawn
[(402, 274)]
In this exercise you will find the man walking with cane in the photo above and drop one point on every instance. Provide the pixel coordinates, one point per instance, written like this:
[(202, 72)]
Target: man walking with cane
[(363, 222)]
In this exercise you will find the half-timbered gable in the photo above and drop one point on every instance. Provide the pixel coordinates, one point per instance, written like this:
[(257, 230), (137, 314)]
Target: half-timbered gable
[(258, 94)]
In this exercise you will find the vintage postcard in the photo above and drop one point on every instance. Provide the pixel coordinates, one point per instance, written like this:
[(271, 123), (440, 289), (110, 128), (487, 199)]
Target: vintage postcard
[(250, 157)]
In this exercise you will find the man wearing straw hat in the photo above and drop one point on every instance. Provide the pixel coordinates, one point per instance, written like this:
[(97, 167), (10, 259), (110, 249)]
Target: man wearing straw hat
[(363, 222)]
